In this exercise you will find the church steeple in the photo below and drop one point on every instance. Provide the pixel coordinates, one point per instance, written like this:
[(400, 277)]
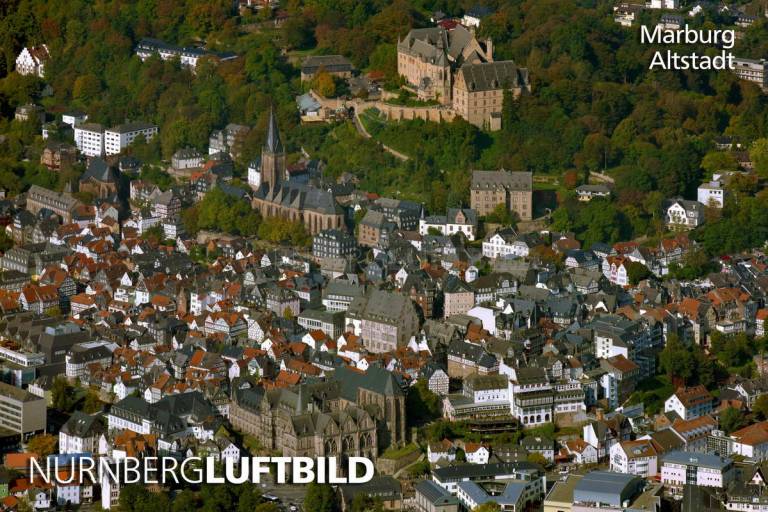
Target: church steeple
[(272, 155), (273, 143)]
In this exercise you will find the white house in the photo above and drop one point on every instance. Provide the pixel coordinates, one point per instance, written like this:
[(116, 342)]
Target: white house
[(680, 468), (507, 243), (441, 450), (634, 458), (118, 138), (689, 402), (683, 214), (476, 453), (80, 434), (615, 269), (456, 220), (751, 442), (31, 61), (711, 194), (581, 451), (474, 16)]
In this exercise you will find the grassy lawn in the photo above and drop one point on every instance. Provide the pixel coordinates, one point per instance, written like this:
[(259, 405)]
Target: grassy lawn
[(373, 121), (399, 453)]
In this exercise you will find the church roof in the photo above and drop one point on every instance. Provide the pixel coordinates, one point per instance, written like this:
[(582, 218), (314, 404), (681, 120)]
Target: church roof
[(99, 170)]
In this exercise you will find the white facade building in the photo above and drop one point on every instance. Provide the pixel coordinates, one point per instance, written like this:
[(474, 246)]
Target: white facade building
[(664, 4), (700, 469), (120, 137), (89, 139), (711, 194), (455, 221), (634, 458), (31, 61)]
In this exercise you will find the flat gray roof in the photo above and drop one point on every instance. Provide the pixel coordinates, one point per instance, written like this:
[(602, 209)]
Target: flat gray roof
[(606, 487)]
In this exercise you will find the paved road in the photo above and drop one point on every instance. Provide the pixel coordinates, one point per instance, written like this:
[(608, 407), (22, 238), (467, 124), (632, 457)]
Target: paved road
[(288, 493)]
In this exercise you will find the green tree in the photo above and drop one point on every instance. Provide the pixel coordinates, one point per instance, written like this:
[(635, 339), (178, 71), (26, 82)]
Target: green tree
[(320, 498), (6, 242), (324, 84), (185, 501), (760, 407), (758, 153), (719, 161), (537, 458), (637, 272), (731, 419), (92, 403), (676, 360), (501, 215), (62, 394), (364, 503), (421, 405)]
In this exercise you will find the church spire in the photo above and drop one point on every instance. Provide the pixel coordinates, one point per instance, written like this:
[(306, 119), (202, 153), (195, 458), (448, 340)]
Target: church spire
[(273, 144)]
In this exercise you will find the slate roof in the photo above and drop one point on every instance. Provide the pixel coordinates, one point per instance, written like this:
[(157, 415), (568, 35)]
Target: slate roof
[(435, 494), (493, 179), (83, 425), (300, 196), (99, 170), (330, 63), (488, 76), (375, 379)]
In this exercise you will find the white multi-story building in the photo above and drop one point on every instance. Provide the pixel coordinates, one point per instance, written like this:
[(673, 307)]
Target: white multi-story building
[(634, 458), (507, 243), (89, 139), (188, 56), (118, 138), (664, 4), (711, 194), (680, 468), (752, 70), (531, 395), (80, 434), (689, 402)]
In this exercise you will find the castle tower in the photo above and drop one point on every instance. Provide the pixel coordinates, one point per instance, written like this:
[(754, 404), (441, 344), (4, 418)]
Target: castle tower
[(272, 155)]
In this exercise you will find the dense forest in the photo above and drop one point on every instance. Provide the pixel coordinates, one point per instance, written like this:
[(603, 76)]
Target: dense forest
[(594, 106)]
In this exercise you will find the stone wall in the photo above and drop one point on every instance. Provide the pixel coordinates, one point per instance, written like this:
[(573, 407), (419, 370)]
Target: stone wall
[(391, 466)]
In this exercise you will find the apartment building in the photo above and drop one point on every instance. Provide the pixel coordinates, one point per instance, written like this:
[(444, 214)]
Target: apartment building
[(89, 139), (21, 411), (679, 469), (752, 70), (118, 138)]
